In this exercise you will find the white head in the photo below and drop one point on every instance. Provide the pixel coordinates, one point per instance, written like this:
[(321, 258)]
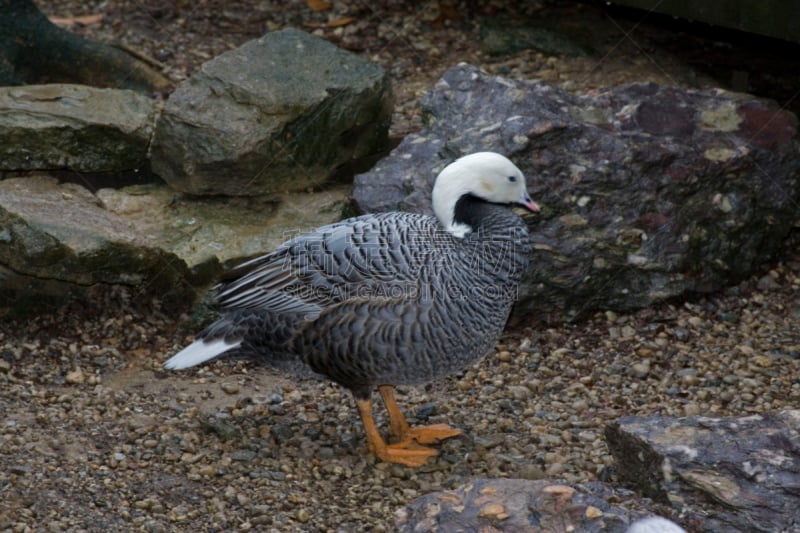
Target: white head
[(485, 175)]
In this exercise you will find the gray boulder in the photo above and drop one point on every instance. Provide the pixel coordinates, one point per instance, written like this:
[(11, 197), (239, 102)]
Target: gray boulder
[(521, 505), (213, 234), (73, 127), (280, 113), (648, 192), (58, 240), (731, 474)]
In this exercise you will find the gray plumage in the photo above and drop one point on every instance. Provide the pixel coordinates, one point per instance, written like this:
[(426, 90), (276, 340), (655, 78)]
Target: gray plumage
[(393, 298), (386, 298)]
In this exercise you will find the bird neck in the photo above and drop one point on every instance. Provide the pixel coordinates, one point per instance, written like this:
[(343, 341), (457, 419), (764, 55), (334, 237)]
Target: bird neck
[(468, 211), (472, 214), (475, 212), (446, 193), (486, 220), (496, 247)]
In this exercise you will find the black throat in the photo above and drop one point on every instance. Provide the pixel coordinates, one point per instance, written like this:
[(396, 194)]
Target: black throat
[(469, 210)]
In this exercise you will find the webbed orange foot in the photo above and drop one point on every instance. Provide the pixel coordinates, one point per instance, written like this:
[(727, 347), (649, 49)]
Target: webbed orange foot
[(400, 429), (408, 452), (431, 434), (405, 454)]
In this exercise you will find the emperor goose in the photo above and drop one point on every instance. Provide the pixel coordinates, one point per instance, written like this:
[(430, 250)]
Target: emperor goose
[(384, 299)]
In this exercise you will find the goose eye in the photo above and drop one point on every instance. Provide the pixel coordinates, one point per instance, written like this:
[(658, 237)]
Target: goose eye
[(512, 179)]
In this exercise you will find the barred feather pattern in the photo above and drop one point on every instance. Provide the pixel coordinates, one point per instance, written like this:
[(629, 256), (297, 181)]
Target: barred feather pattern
[(377, 299)]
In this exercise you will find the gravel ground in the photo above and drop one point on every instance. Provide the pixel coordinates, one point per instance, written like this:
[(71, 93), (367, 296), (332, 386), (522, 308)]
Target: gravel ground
[(94, 435)]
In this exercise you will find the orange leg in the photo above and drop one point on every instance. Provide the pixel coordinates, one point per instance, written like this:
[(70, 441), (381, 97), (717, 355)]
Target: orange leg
[(400, 429), (405, 453)]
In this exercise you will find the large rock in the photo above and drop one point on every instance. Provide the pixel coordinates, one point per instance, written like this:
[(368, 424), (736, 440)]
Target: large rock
[(648, 192), (56, 240), (519, 506), (207, 233), (735, 474), (279, 113), (73, 127)]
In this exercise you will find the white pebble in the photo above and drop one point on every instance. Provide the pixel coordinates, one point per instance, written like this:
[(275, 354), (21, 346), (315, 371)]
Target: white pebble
[(655, 524)]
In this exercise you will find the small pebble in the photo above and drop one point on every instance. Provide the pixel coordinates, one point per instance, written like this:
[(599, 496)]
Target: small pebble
[(230, 387), (763, 361), (696, 321), (768, 283), (424, 411), (75, 377), (504, 356), (281, 432), (641, 369), (519, 392), (681, 334), (245, 456), (691, 409)]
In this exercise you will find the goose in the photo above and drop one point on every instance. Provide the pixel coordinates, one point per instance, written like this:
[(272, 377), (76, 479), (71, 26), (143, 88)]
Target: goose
[(384, 299)]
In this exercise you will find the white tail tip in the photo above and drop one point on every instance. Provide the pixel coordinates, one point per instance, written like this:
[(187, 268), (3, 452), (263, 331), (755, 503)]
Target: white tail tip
[(198, 352)]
